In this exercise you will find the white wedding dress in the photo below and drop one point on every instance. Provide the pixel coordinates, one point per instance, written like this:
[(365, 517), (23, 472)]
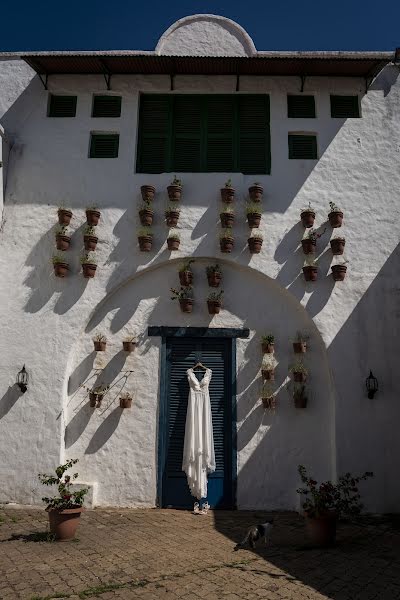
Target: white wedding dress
[(198, 449)]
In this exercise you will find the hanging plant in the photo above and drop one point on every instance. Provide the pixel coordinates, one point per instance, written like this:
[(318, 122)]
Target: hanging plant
[(300, 396), (339, 271), (253, 215), (64, 215), (185, 297), (186, 273), (300, 343), (62, 239), (89, 266), (337, 245), (214, 302), (172, 215), (268, 343), (227, 216), (92, 215), (255, 242), (146, 214), (226, 240), (175, 190), (129, 343), (90, 238), (309, 241), (125, 400), (99, 342), (256, 192), (61, 266), (310, 270), (148, 193), (307, 216), (268, 367), (335, 216), (299, 371), (228, 192), (214, 275), (173, 240), (145, 239), (268, 397), (97, 394)]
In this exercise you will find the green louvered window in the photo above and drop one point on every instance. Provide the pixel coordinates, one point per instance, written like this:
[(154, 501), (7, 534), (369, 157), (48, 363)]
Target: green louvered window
[(197, 133), (104, 145), (302, 146), (62, 106), (345, 106), (301, 107), (106, 106)]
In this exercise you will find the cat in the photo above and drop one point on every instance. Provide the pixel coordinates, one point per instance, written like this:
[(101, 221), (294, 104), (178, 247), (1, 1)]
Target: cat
[(255, 533)]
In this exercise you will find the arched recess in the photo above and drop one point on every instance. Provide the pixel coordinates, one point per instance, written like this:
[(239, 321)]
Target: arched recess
[(118, 449)]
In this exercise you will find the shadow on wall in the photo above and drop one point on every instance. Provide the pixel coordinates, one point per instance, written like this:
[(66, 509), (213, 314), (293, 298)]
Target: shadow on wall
[(12, 395)]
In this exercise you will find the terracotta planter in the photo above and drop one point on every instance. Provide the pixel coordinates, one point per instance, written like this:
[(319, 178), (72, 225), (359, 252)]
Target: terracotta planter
[(214, 307), (307, 218), (214, 279), (268, 374), (322, 530), (253, 219), (269, 402), (64, 523), (227, 220), (92, 217), (128, 346), (255, 245), (145, 243), (226, 245), (95, 399), (308, 246), (125, 402), (148, 192), (185, 278), (172, 218), (256, 193), (64, 216), (300, 401), (337, 246), (299, 347), (339, 272), (90, 242), (267, 348), (146, 216), (62, 242), (310, 273), (173, 244), (299, 376), (227, 195), (89, 270), (174, 192), (335, 219), (61, 269), (99, 346), (186, 305)]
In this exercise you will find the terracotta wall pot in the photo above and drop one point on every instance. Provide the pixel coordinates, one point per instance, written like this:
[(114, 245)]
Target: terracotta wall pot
[(62, 242), (125, 402), (310, 273), (254, 219), (92, 217), (269, 402), (255, 245), (128, 346), (227, 220), (64, 523), (299, 376), (308, 246), (90, 242), (89, 270), (148, 192), (335, 219), (268, 374), (64, 217), (227, 195), (186, 305), (174, 192), (214, 279), (61, 269), (307, 218), (146, 216), (172, 219), (267, 348), (214, 307), (339, 272), (322, 530), (256, 193), (145, 243), (226, 245), (300, 401), (337, 246), (185, 277), (99, 346), (299, 347), (95, 400), (173, 244)]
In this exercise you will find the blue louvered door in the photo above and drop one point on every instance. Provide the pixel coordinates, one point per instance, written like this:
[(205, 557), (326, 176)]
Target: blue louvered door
[(182, 354)]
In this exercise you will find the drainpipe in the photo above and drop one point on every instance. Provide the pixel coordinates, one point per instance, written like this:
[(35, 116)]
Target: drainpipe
[(4, 146)]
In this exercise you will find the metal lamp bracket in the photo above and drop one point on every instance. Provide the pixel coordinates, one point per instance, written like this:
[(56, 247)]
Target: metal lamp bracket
[(44, 79)]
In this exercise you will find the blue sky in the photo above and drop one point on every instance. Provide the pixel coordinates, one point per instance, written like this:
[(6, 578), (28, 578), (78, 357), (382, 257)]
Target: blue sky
[(278, 25)]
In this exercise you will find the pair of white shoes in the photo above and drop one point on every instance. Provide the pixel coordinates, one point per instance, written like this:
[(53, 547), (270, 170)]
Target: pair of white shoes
[(201, 511)]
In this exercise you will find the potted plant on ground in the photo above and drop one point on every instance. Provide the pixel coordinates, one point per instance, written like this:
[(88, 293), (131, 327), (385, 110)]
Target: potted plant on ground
[(268, 367), (173, 240), (89, 266), (256, 192), (227, 216), (253, 212), (64, 215), (214, 275), (255, 242), (97, 394), (185, 297), (300, 342), (125, 400), (146, 214), (90, 238), (335, 215), (268, 397), (214, 302), (92, 215), (172, 215), (61, 266), (62, 239), (145, 239), (175, 189), (307, 216), (299, 371), (267, 343), (310, 270), (99, 342), (339, 271), (186, 273), (309, 241), (129, 343), (228, 192), (337, 245), (300, 395), (226, 241), (148, 193), (65, 509), (325, 503)]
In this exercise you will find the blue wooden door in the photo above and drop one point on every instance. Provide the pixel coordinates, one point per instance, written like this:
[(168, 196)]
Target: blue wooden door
[(182, 354)]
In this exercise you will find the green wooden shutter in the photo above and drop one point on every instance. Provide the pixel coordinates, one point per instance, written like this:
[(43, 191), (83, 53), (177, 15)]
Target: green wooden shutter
[(220, 126), (106, 106), (154, 137), (302, 146), (62, 106), (253, 134), (301, 107), (345, 106), (187, 127), (104, 145)]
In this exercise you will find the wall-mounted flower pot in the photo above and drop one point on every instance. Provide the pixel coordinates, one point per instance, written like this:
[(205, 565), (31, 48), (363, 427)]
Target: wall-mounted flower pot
[(61, 269), (145, 243), (299, 347), (335, 218), (173, 244), (186, 305), (95, 399), (64, 523), (171, 218), (255, 245), (148, 192), (268, 374), (125, 402), (90, 242), (92, 217), (310, 273), (337, 245), (64, 216), (186, 278), (299, 376), (226, 245), (267, 348), (128, 346), (146, 216), (99, 345), (308, 245), (322, 530), (89, 270), (62, 242), (214, 307), (227, 194), (214, 279), (227, 220), (339, 272), (174, 192), (254, 219), (300, 400), (269, 402), (256, 193), (307, 218)]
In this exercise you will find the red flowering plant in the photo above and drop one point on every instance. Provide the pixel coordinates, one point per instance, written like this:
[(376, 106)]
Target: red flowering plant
[(342, 498), (67, 498)]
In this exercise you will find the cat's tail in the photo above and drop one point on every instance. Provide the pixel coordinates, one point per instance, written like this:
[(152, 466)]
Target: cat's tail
[(242, 543)]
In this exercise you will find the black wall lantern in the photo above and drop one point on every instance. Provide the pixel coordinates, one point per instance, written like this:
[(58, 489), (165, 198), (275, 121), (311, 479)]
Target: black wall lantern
[(372, 385), (22, 380)]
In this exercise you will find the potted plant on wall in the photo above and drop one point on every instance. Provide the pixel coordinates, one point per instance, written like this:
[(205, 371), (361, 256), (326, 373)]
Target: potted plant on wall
[(64, 215), (62, 239), (300, 342), (300, 395), (148, 193), (146, 214), (61, 266), (255, 242), (175, 189), (97, 394), (89, 266), (214, 302), (309, 241), (173, 240), (65, 509), (99, 342), (268, 367), (172, 215), (323, 504), (310, 270), (185, 297), (268, 397), (256, 192), (337, 245), (90, 238), (339, 270), (186, 273), (228, 192), (145, 239), (125, 400), (214, 275), (129, 343), (226, 241), (253, 212), (335, 215), (299, 371), (307, 216), (92, 215), (227, 216), (268, 343)]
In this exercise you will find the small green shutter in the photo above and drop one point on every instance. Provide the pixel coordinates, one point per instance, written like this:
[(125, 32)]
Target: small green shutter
[(220, 122), (106, 106), (301, 107), (302, 146), (254, 155), (187, 126), (104, 145), (154, 134), (62, 106), (345, 106)]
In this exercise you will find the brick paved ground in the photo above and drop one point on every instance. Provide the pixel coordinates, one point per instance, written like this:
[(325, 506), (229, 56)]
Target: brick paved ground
[(146, 554)]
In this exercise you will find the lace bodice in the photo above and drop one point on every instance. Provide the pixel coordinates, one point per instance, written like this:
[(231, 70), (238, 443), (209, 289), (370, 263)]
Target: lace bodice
[(195, 384)]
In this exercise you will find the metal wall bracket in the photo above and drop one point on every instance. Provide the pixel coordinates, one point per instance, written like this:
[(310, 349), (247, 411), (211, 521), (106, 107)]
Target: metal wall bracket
[(44, 78), (303, 80), (171, 82), (368, 81), (106, 74)]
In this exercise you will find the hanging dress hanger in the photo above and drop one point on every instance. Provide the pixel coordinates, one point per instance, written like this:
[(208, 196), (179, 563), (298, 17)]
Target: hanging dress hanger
[(199, 364)]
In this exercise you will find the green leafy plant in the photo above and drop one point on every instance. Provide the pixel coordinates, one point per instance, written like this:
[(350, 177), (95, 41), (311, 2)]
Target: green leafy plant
[(145, 232), (67, 498), (301, 337), (310, 262), (89, 230), (172, 209), (311, 234), (186, 266), (253, 209), (99, 337), (100, 390), (88, 259), (174, 235), (226, 234), (58, 259), (125, 396), (227, 209), (268, 339), (228, 184), (176, 181), (130, 338), (92, 208), (256, 235), (210, 269), (308, 208), (334, 208), (184, 293), (61, 230), (298, 367), (146, 206), (215, 296)]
